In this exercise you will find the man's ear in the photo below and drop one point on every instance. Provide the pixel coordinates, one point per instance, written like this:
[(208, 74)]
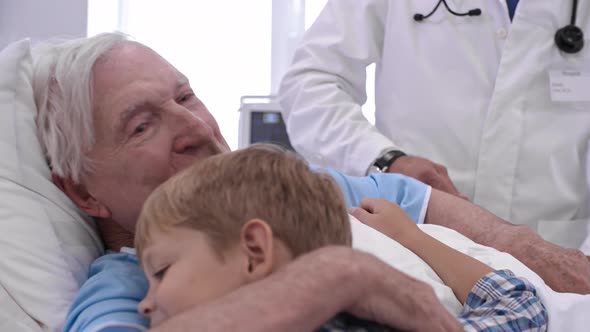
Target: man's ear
[(81, 197), (257, 245)]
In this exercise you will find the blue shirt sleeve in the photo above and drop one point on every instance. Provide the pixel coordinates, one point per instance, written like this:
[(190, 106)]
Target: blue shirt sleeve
[(412, 195), (108, 300)]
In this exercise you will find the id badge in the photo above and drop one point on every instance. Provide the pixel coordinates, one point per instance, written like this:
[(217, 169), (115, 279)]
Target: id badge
[(569, 85)]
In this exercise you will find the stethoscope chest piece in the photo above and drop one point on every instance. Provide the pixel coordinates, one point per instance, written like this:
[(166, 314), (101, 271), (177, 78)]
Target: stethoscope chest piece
[(569, 39)]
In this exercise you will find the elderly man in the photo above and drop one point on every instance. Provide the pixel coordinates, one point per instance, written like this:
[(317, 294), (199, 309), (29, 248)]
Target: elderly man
[(138, 122)]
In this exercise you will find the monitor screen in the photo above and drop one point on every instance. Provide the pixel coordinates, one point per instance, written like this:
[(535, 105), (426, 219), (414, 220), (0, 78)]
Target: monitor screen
[(268, 127)]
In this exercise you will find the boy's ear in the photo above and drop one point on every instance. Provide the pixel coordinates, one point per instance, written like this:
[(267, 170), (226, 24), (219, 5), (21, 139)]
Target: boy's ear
[(257, 243), (81, 197)]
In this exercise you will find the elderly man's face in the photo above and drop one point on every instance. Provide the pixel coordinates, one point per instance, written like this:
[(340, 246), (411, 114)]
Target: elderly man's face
[(148, 125)]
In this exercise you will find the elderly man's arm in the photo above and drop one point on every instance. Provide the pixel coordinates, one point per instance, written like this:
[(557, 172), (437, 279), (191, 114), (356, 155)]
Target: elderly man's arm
[(314, 288), (564, 270), (300, 297)]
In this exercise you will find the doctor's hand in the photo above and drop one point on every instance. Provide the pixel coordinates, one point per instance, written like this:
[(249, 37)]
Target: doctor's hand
[(422, 169)]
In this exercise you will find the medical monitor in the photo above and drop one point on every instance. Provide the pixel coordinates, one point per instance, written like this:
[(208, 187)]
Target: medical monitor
[(261, 122)]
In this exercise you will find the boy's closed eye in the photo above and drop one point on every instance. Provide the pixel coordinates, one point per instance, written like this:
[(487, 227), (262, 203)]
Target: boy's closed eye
[(161, 273)]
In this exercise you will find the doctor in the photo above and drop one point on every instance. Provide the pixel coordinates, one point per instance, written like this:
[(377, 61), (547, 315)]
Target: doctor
[(481, 87)]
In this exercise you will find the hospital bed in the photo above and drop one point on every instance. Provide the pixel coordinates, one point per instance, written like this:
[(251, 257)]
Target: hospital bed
[(47, 244)]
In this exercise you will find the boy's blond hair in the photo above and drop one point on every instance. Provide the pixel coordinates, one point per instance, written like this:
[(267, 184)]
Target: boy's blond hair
[(218, 195)]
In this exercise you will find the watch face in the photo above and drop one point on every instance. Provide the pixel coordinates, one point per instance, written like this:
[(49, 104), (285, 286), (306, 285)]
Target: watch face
[(384, 161), (374, 169), (381, 164), (387, 159)]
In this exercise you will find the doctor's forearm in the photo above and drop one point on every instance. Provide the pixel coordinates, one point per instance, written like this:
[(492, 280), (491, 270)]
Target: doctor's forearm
[(564, 270)]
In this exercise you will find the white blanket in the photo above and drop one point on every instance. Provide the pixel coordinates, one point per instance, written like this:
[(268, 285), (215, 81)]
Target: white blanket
[(567, 312)]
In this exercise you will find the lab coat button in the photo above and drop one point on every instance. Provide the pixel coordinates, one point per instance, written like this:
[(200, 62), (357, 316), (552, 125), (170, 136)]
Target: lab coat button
[(502, 33)]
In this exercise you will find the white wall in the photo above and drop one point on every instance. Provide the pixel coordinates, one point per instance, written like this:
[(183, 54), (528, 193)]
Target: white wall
[(41, 19)]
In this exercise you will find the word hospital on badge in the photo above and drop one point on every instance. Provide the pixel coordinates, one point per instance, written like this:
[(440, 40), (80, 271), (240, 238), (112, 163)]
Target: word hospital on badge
[(569, 85)]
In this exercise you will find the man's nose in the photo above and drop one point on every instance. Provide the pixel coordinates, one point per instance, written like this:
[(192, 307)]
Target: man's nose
[(191, 131)]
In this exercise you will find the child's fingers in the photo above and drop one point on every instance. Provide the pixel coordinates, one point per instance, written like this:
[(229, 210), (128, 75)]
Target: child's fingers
[(372, 220), (373, 205), (361, 214)]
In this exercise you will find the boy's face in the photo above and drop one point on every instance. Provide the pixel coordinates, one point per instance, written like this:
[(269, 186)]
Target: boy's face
[(184, 271)]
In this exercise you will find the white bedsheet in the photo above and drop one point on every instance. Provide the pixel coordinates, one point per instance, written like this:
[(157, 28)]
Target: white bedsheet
[(567, 312)]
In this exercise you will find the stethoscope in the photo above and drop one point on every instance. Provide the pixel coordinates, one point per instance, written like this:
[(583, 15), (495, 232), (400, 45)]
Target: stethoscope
[(569, 39)]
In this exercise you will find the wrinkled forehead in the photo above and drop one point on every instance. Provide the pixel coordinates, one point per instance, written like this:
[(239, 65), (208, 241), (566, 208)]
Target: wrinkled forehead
[(127, 75), (128, 62)]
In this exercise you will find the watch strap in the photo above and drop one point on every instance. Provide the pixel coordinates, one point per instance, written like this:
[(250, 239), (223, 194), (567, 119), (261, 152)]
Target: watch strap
[(387, 159)]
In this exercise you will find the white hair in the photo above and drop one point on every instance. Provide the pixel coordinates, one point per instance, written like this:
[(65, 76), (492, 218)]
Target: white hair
[(62, 85)]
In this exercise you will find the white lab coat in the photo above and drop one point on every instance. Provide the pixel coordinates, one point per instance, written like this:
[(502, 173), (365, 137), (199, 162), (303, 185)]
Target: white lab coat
[(471, 93)]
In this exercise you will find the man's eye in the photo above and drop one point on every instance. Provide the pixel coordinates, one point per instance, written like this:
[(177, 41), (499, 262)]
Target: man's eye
[(140, 129), (160, 274), (186, 97)]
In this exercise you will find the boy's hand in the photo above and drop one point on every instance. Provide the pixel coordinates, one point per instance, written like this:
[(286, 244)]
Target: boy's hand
[(389, 219)]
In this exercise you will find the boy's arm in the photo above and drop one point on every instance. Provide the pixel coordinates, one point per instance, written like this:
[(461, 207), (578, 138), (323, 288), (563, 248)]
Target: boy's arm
[(493, 300), (457, 270)]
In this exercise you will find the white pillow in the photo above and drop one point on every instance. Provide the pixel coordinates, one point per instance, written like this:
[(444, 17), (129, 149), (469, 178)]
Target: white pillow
[(46, 243)]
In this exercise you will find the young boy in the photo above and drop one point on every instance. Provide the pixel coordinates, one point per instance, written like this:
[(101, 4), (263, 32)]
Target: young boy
[(204, 233)]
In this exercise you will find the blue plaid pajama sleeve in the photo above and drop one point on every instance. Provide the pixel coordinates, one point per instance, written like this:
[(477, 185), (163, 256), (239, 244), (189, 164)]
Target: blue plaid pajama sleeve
[(500, 301)]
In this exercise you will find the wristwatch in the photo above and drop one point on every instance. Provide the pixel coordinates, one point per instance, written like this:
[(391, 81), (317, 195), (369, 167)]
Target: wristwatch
[(382, 163)]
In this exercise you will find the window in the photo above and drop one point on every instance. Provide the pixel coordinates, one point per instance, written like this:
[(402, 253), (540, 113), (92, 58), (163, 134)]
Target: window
[(223, 47)]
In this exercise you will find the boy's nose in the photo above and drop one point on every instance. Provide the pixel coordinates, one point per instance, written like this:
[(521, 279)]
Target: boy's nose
[(145, 307)]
